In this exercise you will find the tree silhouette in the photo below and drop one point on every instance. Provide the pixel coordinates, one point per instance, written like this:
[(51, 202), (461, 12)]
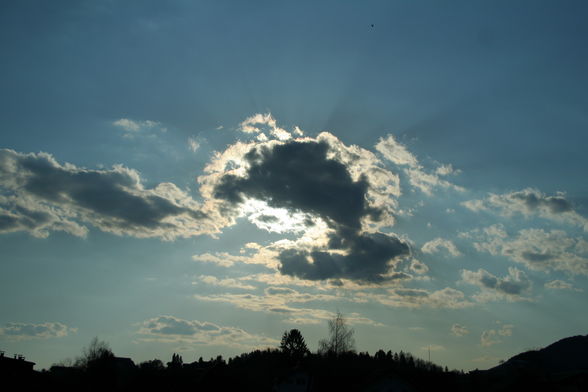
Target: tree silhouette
[(340, 338), (293, 344), (96, 351), (176, 361)]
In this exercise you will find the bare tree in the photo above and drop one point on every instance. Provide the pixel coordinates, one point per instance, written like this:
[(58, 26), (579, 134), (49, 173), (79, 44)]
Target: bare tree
[(96, 350), (340, 337)]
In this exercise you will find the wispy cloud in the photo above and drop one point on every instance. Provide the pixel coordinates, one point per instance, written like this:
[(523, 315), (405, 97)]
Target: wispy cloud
[(530, 202), (193, 144), (513, 287), (419, 178), (26, 331), (415, 298), (435, 246), (459, 330), (133, 127), (537, 249), (491, 337), (560, 285), (170, 329)]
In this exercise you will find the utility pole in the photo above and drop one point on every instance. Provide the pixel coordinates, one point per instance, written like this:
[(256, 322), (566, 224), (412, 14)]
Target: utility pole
[(429, 353)]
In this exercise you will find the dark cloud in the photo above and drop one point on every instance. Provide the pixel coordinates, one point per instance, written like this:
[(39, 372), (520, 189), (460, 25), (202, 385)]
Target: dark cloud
[(36, 331), (299, 176), (280, 291), (536, 257), (367, 259), (515, 284), (41, 194), (168, 325), (534, 200)]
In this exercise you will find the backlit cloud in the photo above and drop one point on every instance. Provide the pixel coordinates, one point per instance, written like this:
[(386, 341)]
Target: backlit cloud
[(537, 249), (26, 331), (530, 202), (512, 287), (39, 195), (170, 329), (418, 177), (343, 194), (491, 337), (435, 246)]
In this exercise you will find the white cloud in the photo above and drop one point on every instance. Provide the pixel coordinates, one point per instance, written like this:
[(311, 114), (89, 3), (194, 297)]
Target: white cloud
[(26, 331), (415, 298), (193, 144), (445, 170), (170, 329), (435, 246), (513, 287), (418, 267), (278, 300), (459, 330), (132, 127), (560, 285), (537, 249), (229, 282), (249, 124), (530, 202), (398, 154), (492, 336)]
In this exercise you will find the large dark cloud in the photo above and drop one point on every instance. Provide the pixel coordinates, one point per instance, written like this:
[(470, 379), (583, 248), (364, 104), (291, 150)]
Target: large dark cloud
[(366, 260), (299, 176), (38, 194)]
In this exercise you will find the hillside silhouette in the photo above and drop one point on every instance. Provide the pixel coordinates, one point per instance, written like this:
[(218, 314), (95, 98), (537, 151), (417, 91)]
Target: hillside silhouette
[(561, 366)]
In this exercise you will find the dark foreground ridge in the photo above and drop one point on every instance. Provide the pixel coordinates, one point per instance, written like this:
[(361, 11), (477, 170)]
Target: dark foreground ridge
[(562, 366)]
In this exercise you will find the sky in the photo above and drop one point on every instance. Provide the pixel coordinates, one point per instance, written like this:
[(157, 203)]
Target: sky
[(197, 177)]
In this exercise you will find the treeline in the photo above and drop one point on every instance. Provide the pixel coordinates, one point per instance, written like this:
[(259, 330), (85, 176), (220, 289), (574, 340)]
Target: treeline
[(292, 366), (260, 370)]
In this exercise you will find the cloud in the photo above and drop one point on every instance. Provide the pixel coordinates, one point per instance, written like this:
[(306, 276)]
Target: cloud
[(415, 298), (435, 246), (396, 152), (537, 249), (512, 287), (229, 283), (278, 300), (459, 330), (367, 259), (418, 267), (308, 184), (446, 170), (492, 336), (132, 127), (193, 144), (248, 125), (530, 202), (560, 285), (26, 331), (39, 195), (418, 178), (170, 329)]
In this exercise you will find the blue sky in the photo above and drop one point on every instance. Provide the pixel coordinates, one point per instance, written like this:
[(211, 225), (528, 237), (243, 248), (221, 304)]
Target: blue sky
[(198, 177)]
